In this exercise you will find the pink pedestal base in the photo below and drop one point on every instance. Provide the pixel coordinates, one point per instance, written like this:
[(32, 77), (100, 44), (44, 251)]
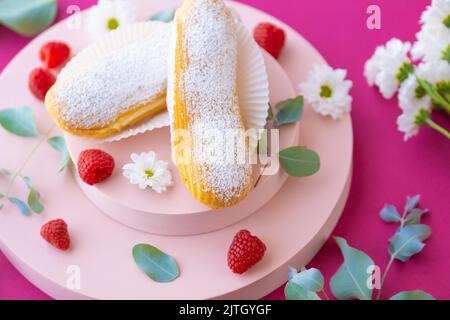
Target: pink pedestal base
[(294, 224)]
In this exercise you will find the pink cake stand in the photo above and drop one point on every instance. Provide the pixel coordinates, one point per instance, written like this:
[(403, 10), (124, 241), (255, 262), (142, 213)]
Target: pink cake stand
[(294, 224)]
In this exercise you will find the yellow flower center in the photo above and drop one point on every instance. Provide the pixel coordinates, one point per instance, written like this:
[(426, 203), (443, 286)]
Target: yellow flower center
[(112, 24), (326, 91), (447, 21), (149, 173)]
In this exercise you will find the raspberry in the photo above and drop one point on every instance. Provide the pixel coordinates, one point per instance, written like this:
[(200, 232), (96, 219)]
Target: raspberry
[(270, 37), (95, 166), (245, 251), (56, 233), (39, 81), (54, 54)]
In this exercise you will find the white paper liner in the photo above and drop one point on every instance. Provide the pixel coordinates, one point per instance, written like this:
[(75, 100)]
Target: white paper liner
[(253, 85), (108, 43)]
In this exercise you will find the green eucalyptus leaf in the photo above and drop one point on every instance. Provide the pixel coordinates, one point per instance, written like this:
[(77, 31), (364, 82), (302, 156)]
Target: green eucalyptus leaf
[(28, 182), (293, 291), (310, 279), (412, 202), (156, 264), (6, 172), (22, 206), (19, 121), (34, 201), (412, 295), (390, 214), (415, 216), (164, 16), (299, 161), (408, 241), (289, 111), (27, 17), (350, 281), (58, 143)]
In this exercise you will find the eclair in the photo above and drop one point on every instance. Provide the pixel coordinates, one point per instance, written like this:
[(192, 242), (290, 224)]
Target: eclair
[(209, 146), (114, 83)]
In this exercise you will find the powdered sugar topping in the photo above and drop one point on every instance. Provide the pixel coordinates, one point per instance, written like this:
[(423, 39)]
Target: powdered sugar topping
[(209, 85), (95, 90)]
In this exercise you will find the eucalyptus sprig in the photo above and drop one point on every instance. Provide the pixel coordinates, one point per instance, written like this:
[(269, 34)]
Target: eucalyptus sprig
[(27, 18), (354, 278), (297, 161), (166, 15), (21, 122)]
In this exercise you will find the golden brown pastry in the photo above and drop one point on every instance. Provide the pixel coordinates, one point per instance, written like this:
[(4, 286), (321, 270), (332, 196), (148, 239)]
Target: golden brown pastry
[(114, 83), (208, 134)]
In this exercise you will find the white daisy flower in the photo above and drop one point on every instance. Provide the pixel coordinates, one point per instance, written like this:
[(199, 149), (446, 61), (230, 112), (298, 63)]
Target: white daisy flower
[(411, 93), (431, 45), (109, 15), (147, 171), (389, 67), (407, 124), (437, 15), (413, 99), (434, 38), (435, 71), (328, 91)]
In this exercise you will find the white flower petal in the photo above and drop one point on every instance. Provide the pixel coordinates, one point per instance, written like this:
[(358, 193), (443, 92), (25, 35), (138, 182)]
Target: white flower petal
[(136, 172), (383, 67), (96, 23), (339, 103)]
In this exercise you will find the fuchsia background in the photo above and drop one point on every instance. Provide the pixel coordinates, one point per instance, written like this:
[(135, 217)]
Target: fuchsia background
[(385, 168)]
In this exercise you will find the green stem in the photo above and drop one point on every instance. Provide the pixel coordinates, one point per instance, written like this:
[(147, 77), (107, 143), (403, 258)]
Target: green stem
[(437, 127), (434, 94), (18, 173), (388, 267)]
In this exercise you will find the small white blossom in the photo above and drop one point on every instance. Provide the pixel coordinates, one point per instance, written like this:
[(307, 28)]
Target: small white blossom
[(109, 15), (434, 37), (430, 45), (412, 99), (411, 95), (437, 15), (435, 71), (147, 171), (406, 123), (384, 68), (328, 91)]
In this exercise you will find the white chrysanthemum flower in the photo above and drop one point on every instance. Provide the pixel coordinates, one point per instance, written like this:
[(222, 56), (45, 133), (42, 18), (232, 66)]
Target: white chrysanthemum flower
[(413, 99), (434, 38), (328, 91), (412, 95), (147, 171), (406, 123), (431, 45), (109, 15), (435, 71), (437, 15), (388, 67)]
